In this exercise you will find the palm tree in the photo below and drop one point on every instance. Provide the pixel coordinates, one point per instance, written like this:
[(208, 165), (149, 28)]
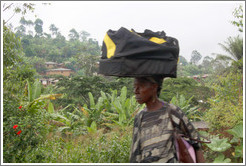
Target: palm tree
[(233, 46)]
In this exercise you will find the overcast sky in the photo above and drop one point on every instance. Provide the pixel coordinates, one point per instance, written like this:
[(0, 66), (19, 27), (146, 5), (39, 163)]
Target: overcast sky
[(197, 25)]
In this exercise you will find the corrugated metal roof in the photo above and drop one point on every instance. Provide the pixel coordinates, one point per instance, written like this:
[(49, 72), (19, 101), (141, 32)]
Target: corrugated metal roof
[(60, 69), (50, 63)]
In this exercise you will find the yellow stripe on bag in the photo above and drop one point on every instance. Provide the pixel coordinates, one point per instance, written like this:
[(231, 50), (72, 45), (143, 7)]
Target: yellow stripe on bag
[(111, 47), (157, 40)]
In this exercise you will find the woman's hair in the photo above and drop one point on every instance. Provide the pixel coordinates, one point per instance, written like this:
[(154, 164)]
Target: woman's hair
[(156, 80)]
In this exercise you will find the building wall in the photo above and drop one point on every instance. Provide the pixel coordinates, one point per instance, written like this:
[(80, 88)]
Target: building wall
[(50, 66), (64, 73)]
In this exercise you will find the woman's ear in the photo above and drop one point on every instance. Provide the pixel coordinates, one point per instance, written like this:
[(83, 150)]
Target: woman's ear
[(155, 88)]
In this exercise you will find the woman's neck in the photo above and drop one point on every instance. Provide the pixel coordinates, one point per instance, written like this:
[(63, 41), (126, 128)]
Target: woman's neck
[(154, 105)]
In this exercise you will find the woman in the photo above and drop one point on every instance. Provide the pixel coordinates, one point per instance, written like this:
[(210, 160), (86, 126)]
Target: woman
[(152, 132)]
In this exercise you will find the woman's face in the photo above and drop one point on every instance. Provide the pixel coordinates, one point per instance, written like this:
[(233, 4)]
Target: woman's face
[(144, 90)]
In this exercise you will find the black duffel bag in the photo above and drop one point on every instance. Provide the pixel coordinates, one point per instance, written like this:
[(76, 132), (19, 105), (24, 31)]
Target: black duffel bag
[(130, 54)]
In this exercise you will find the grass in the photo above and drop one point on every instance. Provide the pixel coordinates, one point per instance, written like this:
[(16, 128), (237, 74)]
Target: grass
[(99, 147)]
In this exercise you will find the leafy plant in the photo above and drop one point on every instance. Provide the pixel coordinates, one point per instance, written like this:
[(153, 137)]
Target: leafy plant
[(191, 112), (111, 109), (227, 104), (68, 123), (187, 87), (221, 159), (234, 146), (237, 142), (219, 145), (92, 128)]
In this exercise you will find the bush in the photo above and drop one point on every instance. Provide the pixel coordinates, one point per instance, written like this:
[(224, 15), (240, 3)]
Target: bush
[(227, 105), (99, 147), (187, 87), (76, 89), (23, 131)]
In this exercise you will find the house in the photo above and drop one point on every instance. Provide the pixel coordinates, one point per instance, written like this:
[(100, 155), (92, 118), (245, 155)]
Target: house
[(48, 81), (50, 65), (59, 71), (205, 76)]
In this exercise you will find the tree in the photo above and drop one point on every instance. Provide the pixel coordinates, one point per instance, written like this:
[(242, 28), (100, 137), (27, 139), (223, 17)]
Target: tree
[(233, 46), (18, 8), (195, 57), (38, 27), (84, 35), (47, 35), (238, 14), (192, 70), (88, 63), (53, 29), (23, 21), (182, 61), (20, 30), (73, 35), (11, 48), (207, 63)]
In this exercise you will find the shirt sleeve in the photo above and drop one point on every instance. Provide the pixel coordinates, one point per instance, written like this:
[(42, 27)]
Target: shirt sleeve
[(185, 126)]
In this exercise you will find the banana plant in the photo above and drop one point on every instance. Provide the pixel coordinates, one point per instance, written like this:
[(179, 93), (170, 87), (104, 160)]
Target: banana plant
[(124, 107), (35, 99), (72, 122), (93, 112), (111, 109), (191, 112), (92, 128)]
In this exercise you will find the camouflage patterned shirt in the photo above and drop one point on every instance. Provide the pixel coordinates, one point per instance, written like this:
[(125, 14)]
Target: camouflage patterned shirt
[(152, 135)]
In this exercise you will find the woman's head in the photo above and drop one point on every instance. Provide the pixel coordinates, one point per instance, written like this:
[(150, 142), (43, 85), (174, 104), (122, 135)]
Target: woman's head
[(147, 89)]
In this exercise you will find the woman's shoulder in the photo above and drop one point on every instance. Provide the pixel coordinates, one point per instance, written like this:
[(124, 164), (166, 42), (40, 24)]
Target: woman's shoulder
[(174, 110), (139, 113)]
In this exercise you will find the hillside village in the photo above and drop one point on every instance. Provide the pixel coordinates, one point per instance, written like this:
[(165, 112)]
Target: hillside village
[(54, 68)]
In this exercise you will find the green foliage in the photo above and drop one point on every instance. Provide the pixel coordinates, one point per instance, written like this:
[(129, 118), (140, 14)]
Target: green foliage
[(124, 107), (55, 47), (68, 123), (18, 8), (219, 145), (191, 112), (234, 47), (113, 150), (221, 159), (238, 14), (113, 147), (91, 122), (34, 91), (227, 104), (11, 48), (234, 146), (182, 60), (111, 109), (76, 89), (189, 70), (31, 120), (92, 128), (195, 57), (237, 131), (237, 142), (187, 87), (38, 27)]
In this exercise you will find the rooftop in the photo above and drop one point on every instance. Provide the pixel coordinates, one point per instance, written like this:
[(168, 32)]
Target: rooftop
[(60, 69)]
